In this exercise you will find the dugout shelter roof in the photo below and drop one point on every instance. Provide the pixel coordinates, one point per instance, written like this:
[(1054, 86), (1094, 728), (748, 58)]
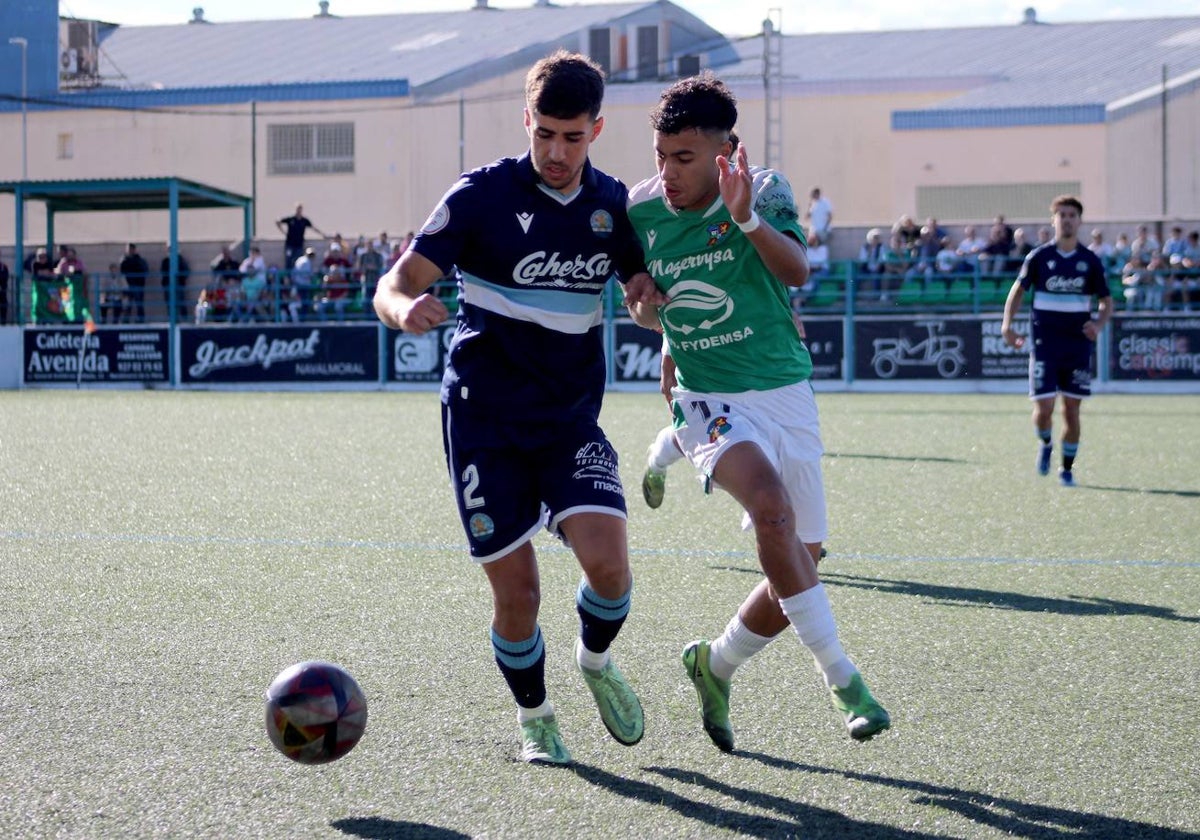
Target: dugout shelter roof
[(123, 194)]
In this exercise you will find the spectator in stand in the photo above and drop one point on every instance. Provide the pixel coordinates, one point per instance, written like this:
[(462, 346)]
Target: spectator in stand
[(41, 266), (897, 261), (182, 274), (1045, 236), (1191, 270), (818, 268), (1174, 246), (908, 231), (408, 238), (970, 248), (70, 267), (939, 232), (135, 270), (293, 228), (926, 256), (1101, 249), (1121, 252), (397, 253), (1144, 246), (1006, 230), (251, 304), (819, 215), (949, 260), (5, 274), (335, 292), (872, 260), (1143, 288), (302, 282), (382, 245), (370, 269), (994, 259), (112, 295)]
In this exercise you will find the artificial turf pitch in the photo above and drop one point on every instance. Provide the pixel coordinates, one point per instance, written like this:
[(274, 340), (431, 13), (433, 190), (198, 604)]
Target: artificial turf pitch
[(165, 554)]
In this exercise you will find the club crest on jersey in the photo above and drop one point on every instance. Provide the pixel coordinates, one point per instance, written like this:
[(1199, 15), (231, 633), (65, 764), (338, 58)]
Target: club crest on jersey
[(717, 232), (438, 219), (602, 223), (482, 527), (1081, 266), (719, 426)]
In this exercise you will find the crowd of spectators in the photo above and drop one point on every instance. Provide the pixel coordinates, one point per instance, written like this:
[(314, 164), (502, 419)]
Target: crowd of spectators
[(1142, 273), (334, 279)]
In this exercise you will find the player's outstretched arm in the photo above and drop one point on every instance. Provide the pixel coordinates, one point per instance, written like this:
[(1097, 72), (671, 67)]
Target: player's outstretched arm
[(643, 298), (401, 301)]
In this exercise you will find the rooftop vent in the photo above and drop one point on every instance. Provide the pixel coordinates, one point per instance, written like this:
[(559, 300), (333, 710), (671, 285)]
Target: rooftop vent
[(1030, 15), (324, 13), (481, 4), (198, 15)]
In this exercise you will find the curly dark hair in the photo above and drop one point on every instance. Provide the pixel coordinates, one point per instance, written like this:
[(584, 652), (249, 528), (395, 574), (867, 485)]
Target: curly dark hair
[(700, 102), (565, 85)]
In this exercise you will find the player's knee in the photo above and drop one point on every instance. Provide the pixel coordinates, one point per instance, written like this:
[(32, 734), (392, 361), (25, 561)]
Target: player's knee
[(523, 600)]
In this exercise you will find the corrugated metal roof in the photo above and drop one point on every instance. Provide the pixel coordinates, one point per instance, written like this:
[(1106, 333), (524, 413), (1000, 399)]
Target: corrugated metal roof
[(1018, 66), (418, 47)]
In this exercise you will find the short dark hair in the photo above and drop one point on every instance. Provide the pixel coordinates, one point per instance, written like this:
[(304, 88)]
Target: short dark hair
[(565, 85), (1066, 201), (700, 102)]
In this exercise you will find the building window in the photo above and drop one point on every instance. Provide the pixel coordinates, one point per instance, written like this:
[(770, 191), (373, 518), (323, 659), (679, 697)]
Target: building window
[(310, 148), (600, 48), (647, 52), (66, 146)]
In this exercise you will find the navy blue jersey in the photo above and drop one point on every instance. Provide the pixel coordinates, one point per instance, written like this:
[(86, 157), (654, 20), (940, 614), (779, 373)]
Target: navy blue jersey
[(1063, 286), (531, 266)]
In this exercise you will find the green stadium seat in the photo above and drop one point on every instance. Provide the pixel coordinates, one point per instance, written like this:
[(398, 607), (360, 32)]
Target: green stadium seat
[(961, 292), (909, 293), (934, 293)]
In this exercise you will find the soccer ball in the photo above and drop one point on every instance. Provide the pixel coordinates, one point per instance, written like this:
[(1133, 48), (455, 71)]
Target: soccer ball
[(316, 712)]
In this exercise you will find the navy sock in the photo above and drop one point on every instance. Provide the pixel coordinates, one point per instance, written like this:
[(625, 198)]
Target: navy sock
[(1069, 451), (523, 665), (600, 619), (1044, 435)]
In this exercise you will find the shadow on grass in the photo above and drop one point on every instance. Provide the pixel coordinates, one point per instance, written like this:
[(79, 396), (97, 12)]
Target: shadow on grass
[(969, 596), (1150, 491), (379, 828), (1010, 816), (795, 818), (905, 458)]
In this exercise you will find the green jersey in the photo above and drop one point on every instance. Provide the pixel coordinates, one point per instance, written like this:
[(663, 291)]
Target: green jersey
[(728, 322)]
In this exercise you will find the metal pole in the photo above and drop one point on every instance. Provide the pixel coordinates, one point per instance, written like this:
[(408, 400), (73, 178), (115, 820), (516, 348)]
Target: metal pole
[(24, 45), (1164, 150)]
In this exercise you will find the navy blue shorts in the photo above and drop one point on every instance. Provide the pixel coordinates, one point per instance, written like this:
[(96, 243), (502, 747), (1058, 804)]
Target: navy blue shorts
[(1061, 369), (511, 480)]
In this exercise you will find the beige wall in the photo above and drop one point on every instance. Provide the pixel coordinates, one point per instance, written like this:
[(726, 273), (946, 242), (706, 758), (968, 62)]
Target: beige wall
[(408, 153)]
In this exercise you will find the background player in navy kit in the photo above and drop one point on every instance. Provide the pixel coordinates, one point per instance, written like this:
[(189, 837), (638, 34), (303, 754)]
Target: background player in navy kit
[(1064, 277), (533, 241)]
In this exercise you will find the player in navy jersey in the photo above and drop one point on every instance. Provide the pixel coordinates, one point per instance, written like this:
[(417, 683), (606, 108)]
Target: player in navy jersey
[(1064, 277), (532, 242)]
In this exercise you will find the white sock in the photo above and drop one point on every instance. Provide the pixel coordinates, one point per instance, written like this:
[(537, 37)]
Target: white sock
[(734, 647), (812, 617), (588, 659), (663, 452), (525, 715)]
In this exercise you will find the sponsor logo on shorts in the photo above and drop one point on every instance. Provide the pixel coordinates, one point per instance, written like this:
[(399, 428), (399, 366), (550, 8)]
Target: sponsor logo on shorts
[(482, 527), (596, 464)]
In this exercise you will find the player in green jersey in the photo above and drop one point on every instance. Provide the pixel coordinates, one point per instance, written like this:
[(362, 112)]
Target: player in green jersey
[(723, 242)]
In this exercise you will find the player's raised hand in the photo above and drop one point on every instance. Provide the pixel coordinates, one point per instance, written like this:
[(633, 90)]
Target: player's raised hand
[(736, 185)]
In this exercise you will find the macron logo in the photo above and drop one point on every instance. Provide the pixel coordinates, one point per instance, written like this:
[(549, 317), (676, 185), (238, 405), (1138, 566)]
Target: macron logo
[(525, 219), (651, 235)]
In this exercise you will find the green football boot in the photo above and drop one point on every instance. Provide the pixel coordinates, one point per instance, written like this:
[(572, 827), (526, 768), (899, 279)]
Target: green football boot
[(864, 717), (714, 694), (541, 742)]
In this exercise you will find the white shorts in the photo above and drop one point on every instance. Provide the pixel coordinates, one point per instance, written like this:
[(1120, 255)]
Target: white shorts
[(783, 423)]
